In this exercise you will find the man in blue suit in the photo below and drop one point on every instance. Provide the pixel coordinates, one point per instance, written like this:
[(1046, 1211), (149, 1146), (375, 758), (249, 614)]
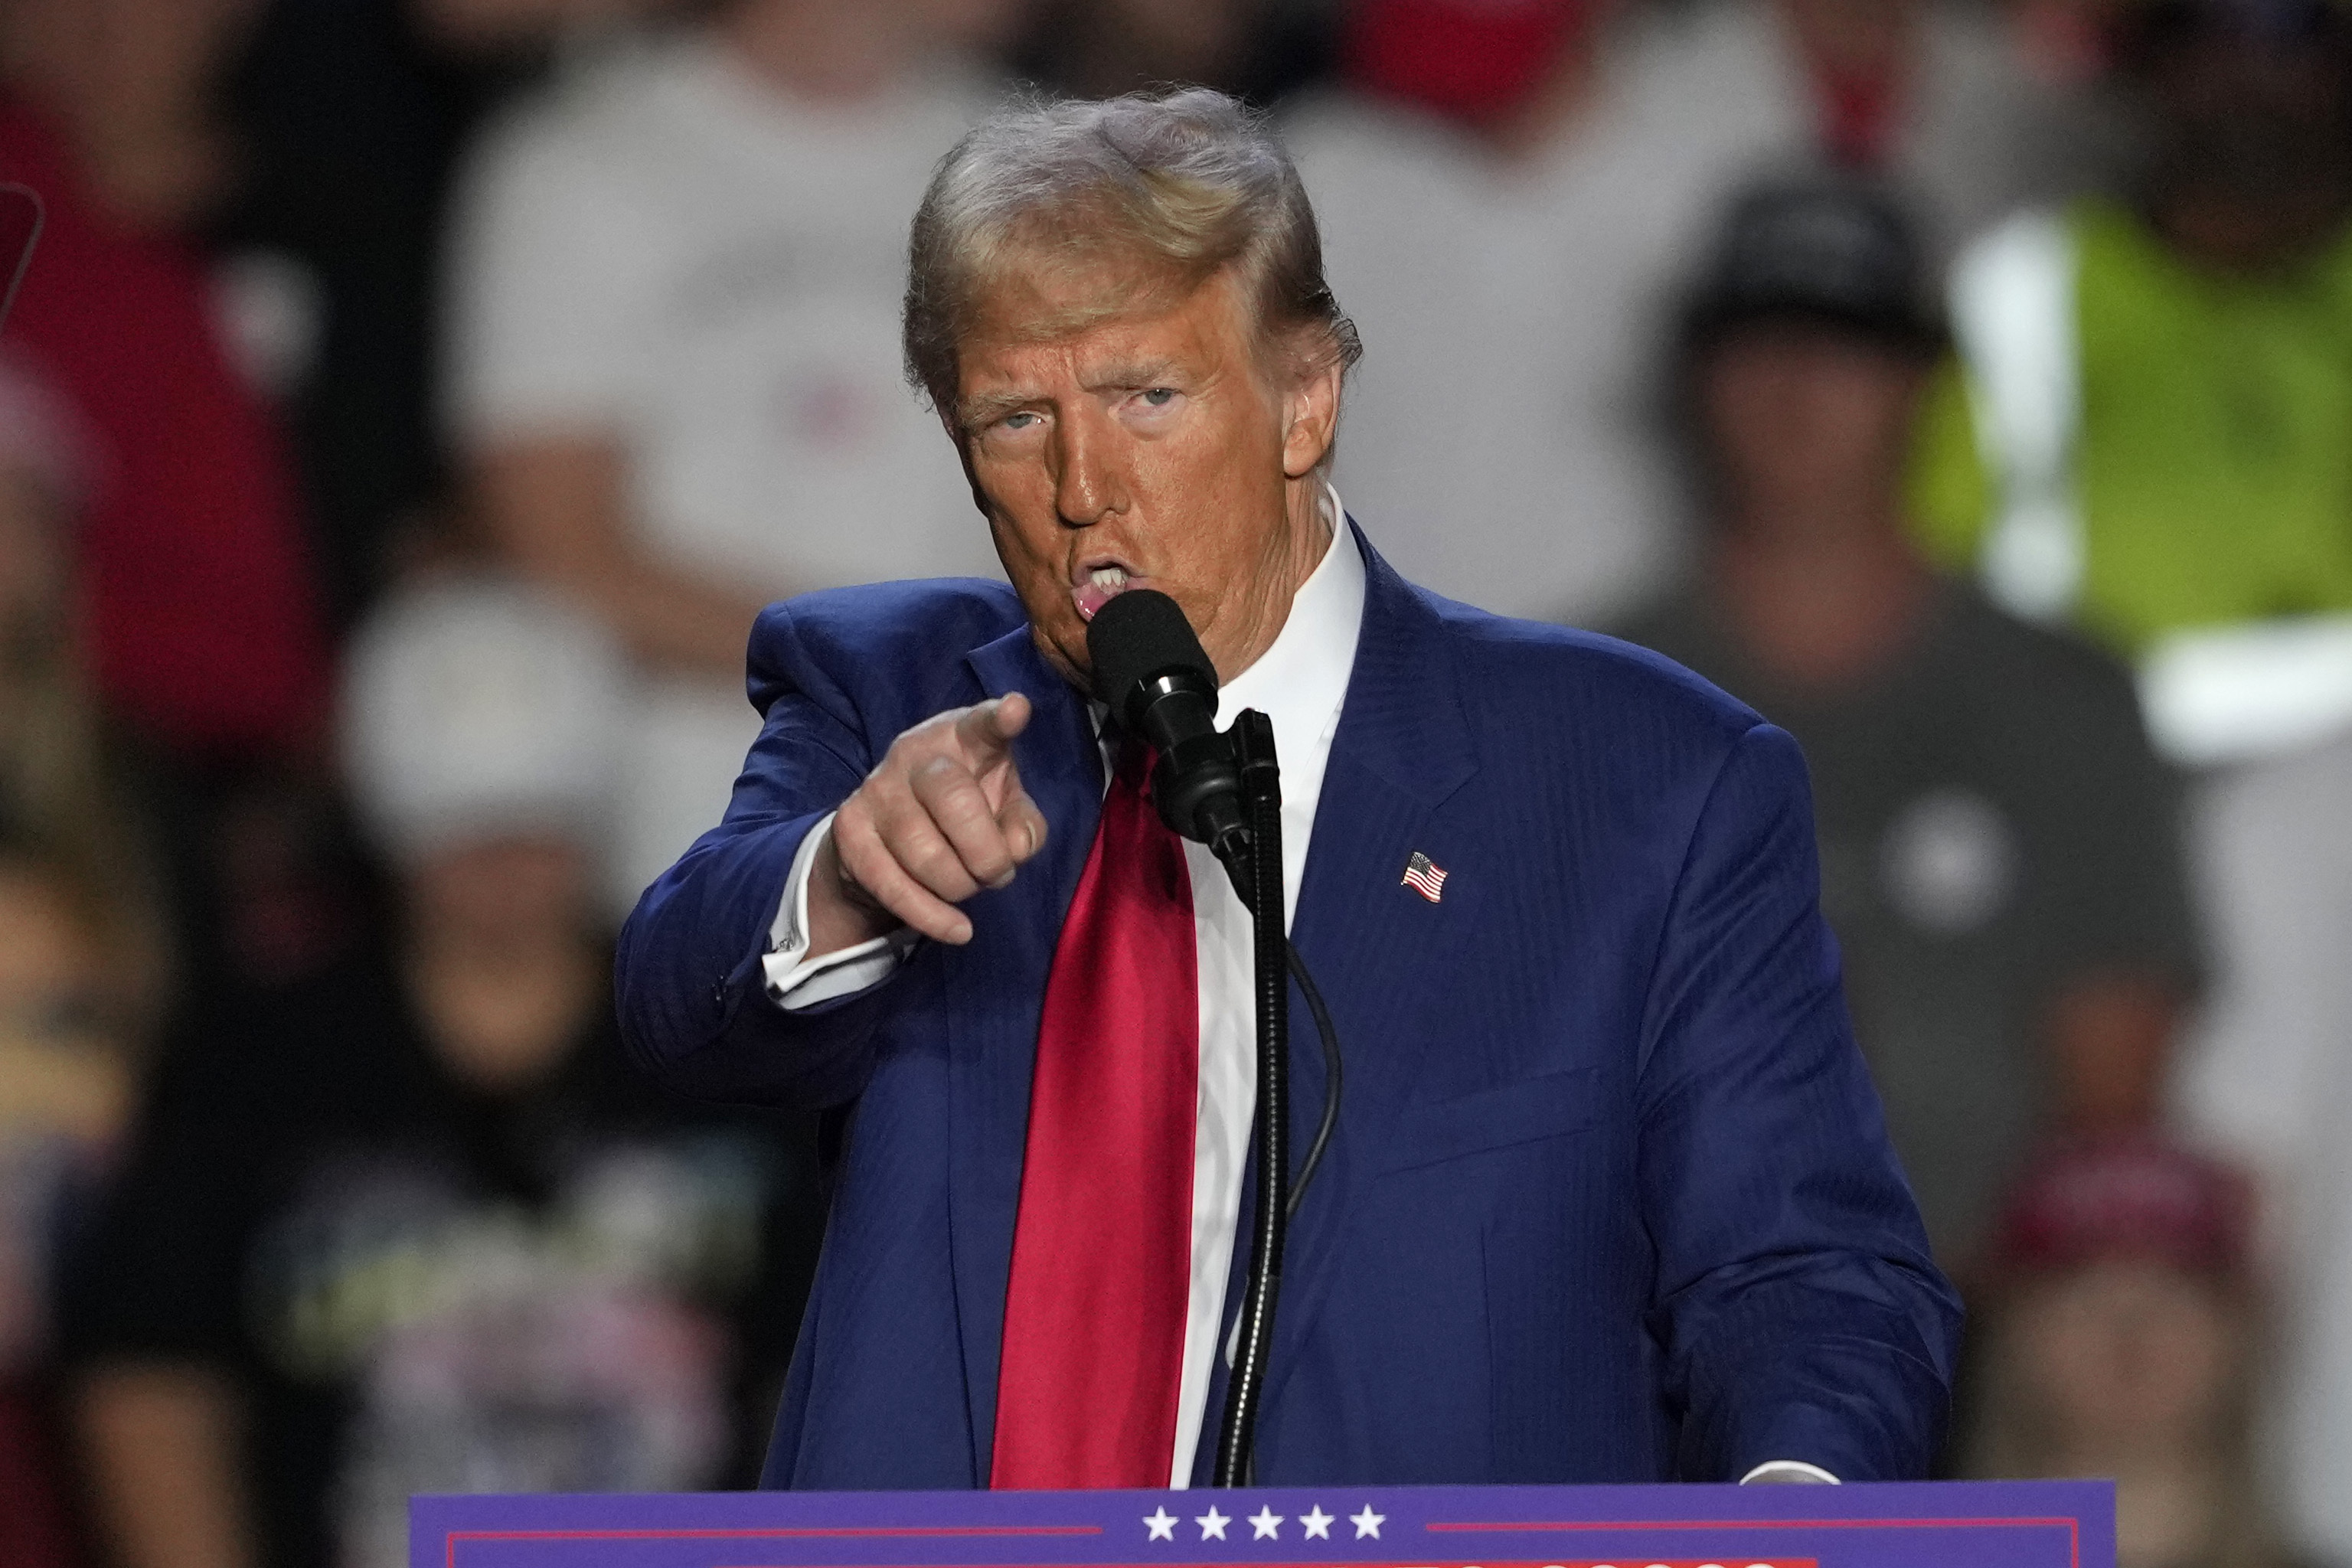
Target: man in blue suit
[(1609, 1199)]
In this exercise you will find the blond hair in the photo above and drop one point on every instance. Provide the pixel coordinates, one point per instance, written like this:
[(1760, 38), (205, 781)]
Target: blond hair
[(1168, 189)]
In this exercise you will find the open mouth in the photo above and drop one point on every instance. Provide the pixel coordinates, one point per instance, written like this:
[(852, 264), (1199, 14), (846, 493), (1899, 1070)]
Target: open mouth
[(1098, 585)]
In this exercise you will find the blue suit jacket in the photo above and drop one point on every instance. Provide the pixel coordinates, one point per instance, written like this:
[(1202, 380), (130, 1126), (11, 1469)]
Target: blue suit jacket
[(1610, 1198)]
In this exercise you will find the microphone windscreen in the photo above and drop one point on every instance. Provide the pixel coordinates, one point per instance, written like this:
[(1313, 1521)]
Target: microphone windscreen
[(1139, 635)]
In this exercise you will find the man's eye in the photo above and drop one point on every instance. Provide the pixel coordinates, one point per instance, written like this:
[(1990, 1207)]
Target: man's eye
[(1021, 420), (1160, 397)]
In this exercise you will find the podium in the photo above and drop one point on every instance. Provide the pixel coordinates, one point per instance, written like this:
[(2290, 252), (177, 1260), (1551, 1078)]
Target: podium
[(1990, 1524)]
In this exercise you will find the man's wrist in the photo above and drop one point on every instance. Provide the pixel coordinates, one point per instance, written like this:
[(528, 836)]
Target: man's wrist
[(841, 914), (799, 979)]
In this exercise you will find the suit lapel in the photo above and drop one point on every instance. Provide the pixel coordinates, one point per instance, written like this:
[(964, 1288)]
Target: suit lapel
[(1379, 951), (996, 988), (1373, 946)]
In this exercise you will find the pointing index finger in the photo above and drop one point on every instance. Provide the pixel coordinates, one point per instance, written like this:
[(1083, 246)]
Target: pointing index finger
[(987, 729)]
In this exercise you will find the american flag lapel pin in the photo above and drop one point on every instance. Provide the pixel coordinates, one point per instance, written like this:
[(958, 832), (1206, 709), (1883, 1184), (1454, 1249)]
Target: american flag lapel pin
[(1424, 876)]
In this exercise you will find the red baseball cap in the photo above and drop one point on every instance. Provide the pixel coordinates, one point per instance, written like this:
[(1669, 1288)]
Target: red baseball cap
[(1471, 60)]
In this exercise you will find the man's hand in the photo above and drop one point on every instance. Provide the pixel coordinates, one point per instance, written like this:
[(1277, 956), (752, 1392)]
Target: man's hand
[(943, 817)]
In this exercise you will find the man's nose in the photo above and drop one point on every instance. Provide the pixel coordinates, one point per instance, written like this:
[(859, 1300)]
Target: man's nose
[(1092, 482)]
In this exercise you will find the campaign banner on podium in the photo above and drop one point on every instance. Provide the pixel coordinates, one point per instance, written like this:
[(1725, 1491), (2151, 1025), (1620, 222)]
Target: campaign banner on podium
[(1994, 1524)]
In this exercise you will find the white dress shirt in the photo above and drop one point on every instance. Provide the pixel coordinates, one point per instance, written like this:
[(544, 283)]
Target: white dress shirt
[(1301, 683)]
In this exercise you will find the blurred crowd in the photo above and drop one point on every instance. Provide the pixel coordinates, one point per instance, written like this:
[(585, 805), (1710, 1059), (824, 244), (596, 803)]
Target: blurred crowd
[(411, 402)]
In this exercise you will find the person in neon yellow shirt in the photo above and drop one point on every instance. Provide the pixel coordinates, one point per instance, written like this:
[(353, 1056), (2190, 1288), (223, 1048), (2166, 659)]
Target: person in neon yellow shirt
[(2151, 432), (2153, 440)]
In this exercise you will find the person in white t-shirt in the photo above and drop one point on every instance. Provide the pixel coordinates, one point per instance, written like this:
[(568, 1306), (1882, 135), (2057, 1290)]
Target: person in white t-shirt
[(1513, 239), (674, 352)]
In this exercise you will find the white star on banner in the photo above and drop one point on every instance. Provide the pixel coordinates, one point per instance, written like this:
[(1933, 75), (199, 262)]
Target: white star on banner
[(1162, 1524), (1317, 1524), (1267, 1523), (1212, 1523), (1368, 1522)]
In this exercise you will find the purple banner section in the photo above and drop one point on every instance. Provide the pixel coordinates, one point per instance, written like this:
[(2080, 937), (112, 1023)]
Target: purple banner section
[(1998, 1524)]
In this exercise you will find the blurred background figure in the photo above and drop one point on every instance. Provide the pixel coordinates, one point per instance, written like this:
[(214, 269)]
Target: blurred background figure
[(410, 1225), (199, 617), (674, 352), (190, 614), (1254, 50), (70, 1039), (2122, 1341), (1512, 195), (65, 782), (2148, 439), (2000, 853), (346, 120), (2149, 443), (84, 955), (2269, 1078), (2063, 41)]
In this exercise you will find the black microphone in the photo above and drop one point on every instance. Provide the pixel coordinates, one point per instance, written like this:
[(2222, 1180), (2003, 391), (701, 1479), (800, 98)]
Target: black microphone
[(1150, 668)]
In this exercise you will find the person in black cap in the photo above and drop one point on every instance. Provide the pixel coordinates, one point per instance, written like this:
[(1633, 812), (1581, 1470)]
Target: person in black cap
[(1998, 845)]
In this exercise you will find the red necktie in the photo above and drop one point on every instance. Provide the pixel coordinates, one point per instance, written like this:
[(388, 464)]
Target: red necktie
[(1094, 1317)]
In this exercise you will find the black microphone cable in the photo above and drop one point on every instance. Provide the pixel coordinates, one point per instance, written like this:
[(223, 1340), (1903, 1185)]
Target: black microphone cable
[(1328, 1035)]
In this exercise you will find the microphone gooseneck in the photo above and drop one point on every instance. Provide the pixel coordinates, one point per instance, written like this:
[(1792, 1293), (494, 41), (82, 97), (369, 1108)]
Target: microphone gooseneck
[(1150, 668)]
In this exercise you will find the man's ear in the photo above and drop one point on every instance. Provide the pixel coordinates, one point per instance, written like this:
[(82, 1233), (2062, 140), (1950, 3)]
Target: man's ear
[(1311, 419)]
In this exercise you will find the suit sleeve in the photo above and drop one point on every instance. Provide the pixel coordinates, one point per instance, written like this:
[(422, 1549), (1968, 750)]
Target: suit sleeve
[(1800, 1315), (690, 987)]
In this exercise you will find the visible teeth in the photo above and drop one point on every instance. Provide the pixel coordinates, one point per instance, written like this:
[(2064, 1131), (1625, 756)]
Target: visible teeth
[(1110, 577)]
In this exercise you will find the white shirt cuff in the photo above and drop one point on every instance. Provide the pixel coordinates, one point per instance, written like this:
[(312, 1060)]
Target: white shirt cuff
[(1787, 1472), (795, 980)]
